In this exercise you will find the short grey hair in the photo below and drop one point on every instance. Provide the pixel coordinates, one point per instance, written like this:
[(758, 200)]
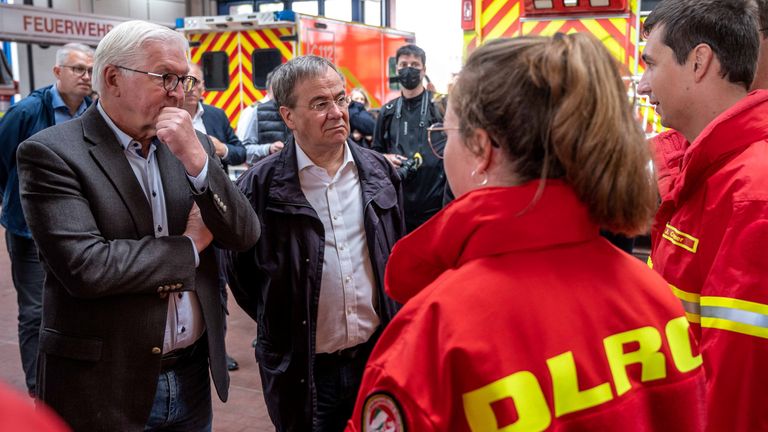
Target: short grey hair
[(62, 54), (124, 46), (286, 77)]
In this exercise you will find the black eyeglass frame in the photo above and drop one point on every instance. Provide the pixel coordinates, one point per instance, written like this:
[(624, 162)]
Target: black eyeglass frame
[(75, 68), (188, 82)]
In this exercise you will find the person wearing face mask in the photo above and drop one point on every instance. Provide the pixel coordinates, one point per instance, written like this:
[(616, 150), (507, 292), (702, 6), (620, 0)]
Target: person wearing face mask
[(401, 135)]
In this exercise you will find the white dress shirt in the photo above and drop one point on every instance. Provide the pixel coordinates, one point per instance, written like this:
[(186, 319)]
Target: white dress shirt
[(184, 324), (346, 313), (197, 119)]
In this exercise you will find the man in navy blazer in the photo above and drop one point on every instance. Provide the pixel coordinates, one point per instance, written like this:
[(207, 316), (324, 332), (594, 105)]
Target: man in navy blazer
[(213, 122)]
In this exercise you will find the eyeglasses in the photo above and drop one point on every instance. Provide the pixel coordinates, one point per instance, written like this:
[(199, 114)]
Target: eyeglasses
[(436, 138), (170, 80), (325, 105), (79, 70)]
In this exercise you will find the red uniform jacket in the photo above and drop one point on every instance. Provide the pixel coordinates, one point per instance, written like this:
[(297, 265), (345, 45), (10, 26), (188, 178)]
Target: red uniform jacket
[(527, 317), (710, 241)]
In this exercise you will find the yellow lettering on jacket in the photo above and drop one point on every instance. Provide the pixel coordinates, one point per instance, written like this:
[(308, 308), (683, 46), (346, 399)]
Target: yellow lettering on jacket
[(647, 355), (680, 345), (565, 387), (524, 389)]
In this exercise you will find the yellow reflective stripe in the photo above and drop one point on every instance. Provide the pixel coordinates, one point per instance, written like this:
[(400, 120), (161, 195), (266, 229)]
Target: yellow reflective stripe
[(740, 316), (684, 295), (733, 303), (724, 324), (649, 262), (692, 317)]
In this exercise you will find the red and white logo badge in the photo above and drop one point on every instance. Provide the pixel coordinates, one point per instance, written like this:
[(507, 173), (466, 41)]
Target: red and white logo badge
[(381, 413)]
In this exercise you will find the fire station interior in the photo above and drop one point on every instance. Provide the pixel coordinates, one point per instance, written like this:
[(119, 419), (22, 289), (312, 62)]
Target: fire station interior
[(31, 62)]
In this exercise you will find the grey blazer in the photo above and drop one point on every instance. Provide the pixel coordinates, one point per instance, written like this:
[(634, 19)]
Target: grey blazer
[(107, 276)]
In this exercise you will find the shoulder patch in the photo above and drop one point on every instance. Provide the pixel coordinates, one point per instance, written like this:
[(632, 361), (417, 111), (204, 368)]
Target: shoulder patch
[(382, 413)]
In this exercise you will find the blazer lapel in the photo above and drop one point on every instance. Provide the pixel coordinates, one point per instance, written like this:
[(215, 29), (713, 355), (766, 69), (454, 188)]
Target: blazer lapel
[(109, 155)]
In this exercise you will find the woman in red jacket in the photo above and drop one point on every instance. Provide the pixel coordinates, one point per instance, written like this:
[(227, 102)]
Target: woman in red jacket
[(518, 315)]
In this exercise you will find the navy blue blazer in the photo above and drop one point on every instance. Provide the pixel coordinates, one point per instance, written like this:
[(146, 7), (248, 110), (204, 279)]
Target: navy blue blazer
[(217, 125)]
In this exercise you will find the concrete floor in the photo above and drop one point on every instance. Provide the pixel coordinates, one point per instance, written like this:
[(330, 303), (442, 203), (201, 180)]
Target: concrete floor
[(245, 410)]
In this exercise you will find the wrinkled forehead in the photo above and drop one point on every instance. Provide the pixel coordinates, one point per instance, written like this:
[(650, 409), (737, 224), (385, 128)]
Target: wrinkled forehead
[(79, 58), (310, 87), (165, 57)]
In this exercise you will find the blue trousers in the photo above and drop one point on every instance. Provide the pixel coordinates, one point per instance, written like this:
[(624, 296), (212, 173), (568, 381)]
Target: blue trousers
[(183, 400), (28, 279)]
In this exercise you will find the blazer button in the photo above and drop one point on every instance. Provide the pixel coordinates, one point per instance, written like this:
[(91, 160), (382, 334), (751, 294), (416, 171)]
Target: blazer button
[(156, 350), (160, 289)]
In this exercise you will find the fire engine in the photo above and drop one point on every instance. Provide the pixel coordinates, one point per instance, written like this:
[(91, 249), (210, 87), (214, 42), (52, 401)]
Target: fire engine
[(617, 23), (237, 51)]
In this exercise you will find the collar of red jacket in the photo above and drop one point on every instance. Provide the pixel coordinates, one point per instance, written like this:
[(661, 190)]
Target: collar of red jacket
[(485, 222), (739, 126)]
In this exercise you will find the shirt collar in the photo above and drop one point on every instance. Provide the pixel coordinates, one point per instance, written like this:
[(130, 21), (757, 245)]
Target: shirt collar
[(124, 139), (199, 112), (58, 102), (305, 162), (56, 99)]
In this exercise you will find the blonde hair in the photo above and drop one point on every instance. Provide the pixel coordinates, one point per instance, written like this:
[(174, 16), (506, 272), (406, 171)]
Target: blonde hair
[(559, 109)]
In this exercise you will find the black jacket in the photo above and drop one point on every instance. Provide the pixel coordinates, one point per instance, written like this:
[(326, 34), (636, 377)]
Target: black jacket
[(407, 135), (271, 127), (217, 125), (278, 281)]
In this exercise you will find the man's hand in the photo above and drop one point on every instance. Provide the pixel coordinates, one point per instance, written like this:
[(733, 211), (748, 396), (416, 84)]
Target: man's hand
[(221, 148), (276, 147), (196, 229), (395, 159), (175, 130)]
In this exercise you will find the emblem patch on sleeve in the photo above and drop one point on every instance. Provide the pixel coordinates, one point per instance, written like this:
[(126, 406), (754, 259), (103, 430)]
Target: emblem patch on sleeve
[(382, 413)]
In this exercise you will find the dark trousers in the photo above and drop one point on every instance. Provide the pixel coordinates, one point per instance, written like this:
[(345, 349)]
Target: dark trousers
[(337, 380), (28, 279)]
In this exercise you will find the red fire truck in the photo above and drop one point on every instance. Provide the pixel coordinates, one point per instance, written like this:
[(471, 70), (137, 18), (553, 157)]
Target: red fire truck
[(617, 23), (237, 52)]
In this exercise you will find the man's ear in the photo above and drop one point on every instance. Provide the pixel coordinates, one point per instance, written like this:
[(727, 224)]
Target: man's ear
[(111, 80), (57, 72), (287, 116), (702, 57)]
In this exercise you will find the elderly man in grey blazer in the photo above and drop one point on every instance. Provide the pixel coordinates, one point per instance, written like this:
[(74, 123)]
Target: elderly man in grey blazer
[(123, 204)]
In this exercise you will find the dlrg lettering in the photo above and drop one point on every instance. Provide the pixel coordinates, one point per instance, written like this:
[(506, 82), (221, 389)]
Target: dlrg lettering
[(524, 388)]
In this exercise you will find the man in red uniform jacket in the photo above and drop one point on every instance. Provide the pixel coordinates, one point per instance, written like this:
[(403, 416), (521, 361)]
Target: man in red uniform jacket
[(711, 228)]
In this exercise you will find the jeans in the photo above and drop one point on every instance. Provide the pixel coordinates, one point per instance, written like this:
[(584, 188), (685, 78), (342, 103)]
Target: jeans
[(183, 399), (337, 380), (28, 279)]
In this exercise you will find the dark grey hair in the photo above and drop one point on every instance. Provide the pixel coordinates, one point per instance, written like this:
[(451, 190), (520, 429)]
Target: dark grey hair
[(286, 77)]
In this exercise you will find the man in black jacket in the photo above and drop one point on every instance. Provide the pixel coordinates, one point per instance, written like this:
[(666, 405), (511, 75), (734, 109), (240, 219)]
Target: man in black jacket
[(401, 135), (266, 132), (314, 282), (213, 122)]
